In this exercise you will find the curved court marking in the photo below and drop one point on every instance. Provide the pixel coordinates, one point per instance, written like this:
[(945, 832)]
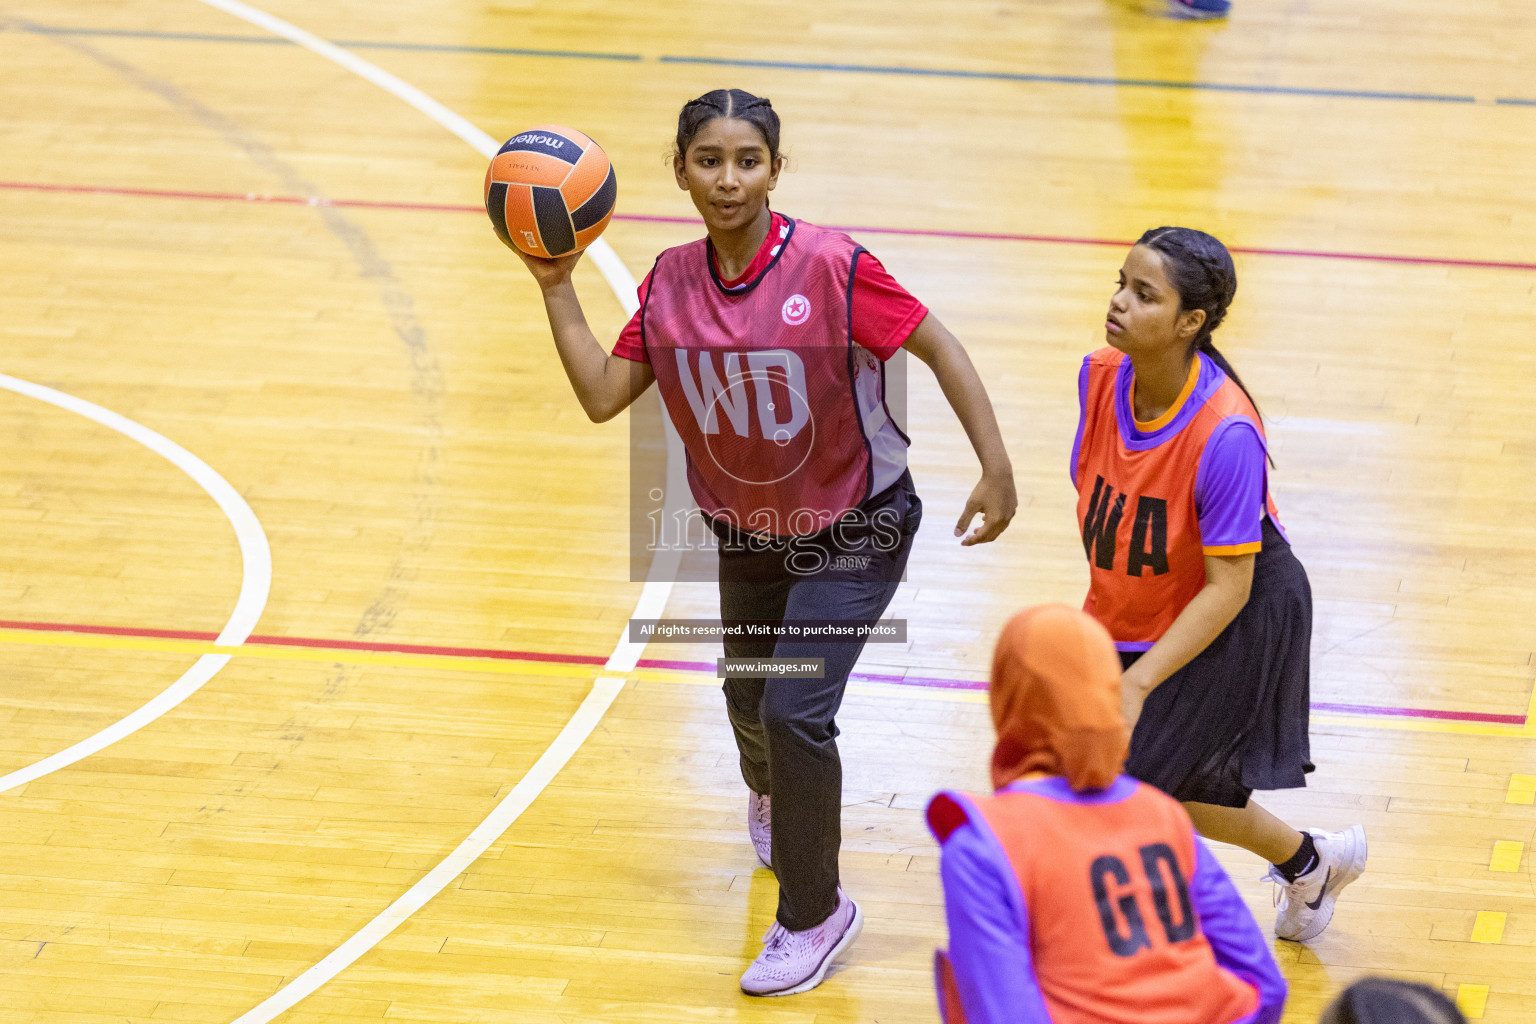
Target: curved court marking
[(607, 261), (652, 603), (255, 583)]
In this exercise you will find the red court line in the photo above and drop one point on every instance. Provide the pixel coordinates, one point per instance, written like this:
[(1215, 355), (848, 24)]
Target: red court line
[(435, 649), (231, 197), (866, 229), (1455, 716), (301, 641), (677, 666), (386, 647)]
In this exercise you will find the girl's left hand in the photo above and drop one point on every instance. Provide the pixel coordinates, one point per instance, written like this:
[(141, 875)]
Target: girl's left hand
[(996, 500)]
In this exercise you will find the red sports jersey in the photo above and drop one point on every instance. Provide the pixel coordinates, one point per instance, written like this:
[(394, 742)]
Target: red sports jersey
[(759, 382), (884, 313), (1136, 505)]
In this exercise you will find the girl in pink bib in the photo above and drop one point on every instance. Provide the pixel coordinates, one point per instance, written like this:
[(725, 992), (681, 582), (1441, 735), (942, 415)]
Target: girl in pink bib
[(768, 341)]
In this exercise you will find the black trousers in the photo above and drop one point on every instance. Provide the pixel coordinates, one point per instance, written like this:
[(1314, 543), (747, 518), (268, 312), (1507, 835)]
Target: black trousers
[(785, 728)]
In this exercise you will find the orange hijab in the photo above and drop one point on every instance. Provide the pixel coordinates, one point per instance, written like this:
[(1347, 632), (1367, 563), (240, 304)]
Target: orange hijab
[(1056, 699)]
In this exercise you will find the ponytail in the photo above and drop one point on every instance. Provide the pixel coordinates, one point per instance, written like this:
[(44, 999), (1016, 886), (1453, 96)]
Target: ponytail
[(1201, 270), (1210, 349)]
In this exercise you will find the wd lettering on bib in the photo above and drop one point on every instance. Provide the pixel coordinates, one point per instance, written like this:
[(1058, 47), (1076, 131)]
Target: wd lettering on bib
[(761, 387), (773, 386)]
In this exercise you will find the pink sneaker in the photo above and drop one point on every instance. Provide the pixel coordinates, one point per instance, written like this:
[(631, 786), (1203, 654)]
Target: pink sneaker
[(794, 962), (760, 827)]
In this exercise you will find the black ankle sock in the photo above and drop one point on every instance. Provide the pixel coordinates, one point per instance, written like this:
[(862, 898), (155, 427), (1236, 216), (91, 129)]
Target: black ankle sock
[(1302, 861)]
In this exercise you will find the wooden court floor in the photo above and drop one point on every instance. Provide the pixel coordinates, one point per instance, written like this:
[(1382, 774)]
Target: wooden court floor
[(237, 244)]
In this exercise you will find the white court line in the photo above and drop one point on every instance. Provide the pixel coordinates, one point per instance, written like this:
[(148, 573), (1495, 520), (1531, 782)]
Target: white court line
[(255, 583), (607, 261), (653, 599)]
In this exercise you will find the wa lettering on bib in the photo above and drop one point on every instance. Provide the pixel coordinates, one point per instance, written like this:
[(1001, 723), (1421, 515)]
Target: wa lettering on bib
[(1137, 511), (759, 382)]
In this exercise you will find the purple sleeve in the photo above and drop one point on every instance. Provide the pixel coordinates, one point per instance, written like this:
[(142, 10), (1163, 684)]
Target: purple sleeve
[(988, 933), (1229, 489), (1234, 935), (1082, 418)]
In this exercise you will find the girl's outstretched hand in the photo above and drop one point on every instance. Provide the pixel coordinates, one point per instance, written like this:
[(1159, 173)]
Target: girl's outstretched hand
[(996, 500), (551, 272)]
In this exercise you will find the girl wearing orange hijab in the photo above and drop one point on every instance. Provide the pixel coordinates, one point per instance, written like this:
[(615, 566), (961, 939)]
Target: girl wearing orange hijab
[(1075, 894)]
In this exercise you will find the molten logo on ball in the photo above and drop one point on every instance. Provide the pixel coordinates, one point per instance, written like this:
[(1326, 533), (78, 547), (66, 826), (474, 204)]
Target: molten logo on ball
[(543, 140)]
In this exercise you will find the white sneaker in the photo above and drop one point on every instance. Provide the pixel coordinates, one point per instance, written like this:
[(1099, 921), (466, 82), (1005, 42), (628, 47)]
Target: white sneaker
[(794, 962), (760, 827), (1306, 905)]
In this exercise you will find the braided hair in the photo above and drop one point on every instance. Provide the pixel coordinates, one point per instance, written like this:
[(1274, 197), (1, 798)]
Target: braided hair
[(1200, 269), (731, 103)]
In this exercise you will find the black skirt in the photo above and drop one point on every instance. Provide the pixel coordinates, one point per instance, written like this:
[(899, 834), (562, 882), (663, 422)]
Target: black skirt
[(1234, 719)]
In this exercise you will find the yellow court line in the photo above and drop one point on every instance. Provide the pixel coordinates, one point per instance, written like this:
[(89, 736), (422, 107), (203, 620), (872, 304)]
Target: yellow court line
[(1439, 725), (1472, 1000), (1489, 926), (1506, 855), (511, 667), (1522, 789)]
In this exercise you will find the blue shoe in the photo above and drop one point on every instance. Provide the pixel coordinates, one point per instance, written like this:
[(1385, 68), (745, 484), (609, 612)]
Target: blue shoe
[(1199, 10)]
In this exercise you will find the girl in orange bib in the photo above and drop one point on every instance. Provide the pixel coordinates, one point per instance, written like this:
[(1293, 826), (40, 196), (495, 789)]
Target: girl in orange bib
[(1075, 894), (1192, 573)]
